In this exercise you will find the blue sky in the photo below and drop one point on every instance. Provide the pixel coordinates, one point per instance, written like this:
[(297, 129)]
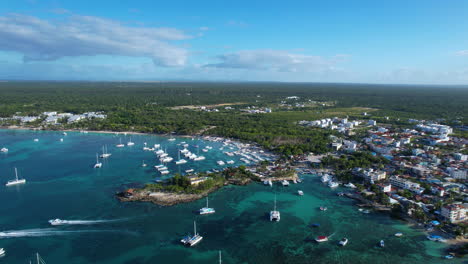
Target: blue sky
[(419, 41)]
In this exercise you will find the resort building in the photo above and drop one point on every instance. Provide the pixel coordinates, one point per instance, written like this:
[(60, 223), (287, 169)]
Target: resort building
[(454, 213)]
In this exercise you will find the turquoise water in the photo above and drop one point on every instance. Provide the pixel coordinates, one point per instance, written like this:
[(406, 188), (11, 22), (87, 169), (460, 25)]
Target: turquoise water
[(61, 183)]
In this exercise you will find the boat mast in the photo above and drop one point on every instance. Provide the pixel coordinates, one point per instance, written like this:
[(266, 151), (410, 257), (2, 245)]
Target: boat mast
[(220, 261), (16, 174), (194, 228), (207, 202)]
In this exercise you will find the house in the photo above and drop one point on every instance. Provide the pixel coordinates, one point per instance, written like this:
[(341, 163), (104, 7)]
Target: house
[(196, 180), (454, 213), (372, 123), (460, 157), (385, 187)]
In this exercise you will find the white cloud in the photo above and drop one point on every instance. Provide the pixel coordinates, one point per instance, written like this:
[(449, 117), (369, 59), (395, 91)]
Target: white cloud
[(276, 60), (39, 40), (462, 53)]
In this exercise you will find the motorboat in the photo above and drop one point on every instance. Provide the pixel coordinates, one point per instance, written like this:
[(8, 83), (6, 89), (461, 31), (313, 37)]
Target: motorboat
[(300, 193), (220, 162), (343, 242), (382, 243), (4, 150), (323, 208), (333, 184), (57, 221), (320, 239), (285, 183), (399, 234)]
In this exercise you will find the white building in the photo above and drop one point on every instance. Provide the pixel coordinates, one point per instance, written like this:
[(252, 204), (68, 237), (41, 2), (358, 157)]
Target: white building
[(373, 176), (454, 213), (372, 123), (457, 174), (405, 184)]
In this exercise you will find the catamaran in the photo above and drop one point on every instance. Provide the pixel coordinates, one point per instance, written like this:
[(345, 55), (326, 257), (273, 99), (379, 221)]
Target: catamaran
[(192, 240), (207, 210), (104, 154), (98, 164), (16, 180), (120, 145), (275, 214)]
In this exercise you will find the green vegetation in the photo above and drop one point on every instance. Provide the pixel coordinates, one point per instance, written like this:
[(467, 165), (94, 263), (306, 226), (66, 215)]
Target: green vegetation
[(149, 107), (181, 184)]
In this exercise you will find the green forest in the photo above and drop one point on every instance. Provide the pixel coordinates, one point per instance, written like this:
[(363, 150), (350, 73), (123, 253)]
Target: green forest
[(149, 107)]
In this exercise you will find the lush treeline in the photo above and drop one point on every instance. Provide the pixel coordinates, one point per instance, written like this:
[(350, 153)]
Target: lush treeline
[(146, 107)]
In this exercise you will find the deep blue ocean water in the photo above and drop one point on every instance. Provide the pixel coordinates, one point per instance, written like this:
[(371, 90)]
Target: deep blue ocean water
[(61, 183)]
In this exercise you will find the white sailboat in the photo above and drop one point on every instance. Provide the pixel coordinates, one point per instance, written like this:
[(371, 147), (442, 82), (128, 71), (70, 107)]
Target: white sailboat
[(130, 143), (180, 161), (144, 164), (104, 154), (275, 215), (98, 164), (220, 261), (120, 145), (5, 150), (39, 259), (16, 180)]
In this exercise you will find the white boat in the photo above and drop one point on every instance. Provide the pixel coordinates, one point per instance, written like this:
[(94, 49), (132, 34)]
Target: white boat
[(325, 178), (130, 143), (220, 162), (332, 184), (266, 182), (181, 161), (164, 172), (270, 183), (4, 150), (159, 152), (206, 209), (382, 243), (183, 151), (16, 180), (343, 242), (275, 214), (320, 239), (285, 183), (192, 240), (230, 162), (57, 221), (166, 159), (36, 140), (209, 147), (189, 171), (64, 133), (171, 139), (350, 185), (159, 166), (157, 146), (163, 168), (2, 251), (205, 150), (199, 158), (98, 164), (61, 140), (399, 234), (39, 260), (120, 145), (105, 154), (144, 164), (163, 155), (300, 193)]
